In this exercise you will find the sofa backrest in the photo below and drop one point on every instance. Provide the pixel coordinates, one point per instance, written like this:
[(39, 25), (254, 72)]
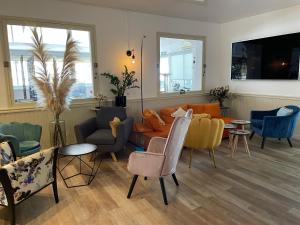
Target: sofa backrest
[(107, 114)]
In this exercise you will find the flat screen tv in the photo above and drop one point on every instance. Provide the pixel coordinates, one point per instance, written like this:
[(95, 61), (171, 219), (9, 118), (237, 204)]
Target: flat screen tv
[(275, 58)]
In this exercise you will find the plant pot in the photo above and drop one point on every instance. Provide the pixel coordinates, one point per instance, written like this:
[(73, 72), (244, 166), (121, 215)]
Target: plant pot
[(120, 101)]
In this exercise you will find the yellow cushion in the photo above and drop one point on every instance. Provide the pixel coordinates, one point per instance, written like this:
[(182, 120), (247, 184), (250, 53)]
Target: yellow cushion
[(114, 124)]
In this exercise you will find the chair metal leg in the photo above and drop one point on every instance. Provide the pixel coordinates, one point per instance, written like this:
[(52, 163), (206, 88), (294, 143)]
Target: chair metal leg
[(175, 179), (163, 190), (54, 187), (290, 143), (252, 134), (213, 157), (134, 179), (263, 143)]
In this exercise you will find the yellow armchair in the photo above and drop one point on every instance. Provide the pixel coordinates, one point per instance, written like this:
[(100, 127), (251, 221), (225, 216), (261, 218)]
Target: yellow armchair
[(204, 133)]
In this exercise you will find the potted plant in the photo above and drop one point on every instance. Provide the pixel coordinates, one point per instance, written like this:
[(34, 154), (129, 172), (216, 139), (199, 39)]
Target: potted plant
[(53, 89), (126, 82), (220, 94)]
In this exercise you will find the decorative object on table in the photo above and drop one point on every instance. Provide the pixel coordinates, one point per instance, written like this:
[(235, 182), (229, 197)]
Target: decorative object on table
[(25, 137), (19, 183), (235, 139), (204, 133), (76, 151), (101, 99), (127, 81), (268, 124), (97, 130), (219, 94), (53, 89), (161, 157)]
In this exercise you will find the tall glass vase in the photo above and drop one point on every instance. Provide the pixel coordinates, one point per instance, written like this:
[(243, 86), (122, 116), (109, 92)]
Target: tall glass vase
[(58, 132)]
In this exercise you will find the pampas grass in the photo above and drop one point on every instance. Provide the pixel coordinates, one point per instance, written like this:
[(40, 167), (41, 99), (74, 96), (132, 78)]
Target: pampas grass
[(53, 89)]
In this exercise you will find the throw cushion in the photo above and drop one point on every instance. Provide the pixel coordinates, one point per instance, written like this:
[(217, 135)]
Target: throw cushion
[(178, 113), (6, 155), (283, 111), (153, 120), (114, 124)]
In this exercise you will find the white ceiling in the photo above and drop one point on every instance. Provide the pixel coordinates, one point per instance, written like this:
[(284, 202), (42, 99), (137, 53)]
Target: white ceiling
[(219, 11)]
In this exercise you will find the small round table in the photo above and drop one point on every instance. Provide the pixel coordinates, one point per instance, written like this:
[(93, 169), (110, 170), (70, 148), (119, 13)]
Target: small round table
[(235, 137), (76, 151), (241, 123), (229, 127)]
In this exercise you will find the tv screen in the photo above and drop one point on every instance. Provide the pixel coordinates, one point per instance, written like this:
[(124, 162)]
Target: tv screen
[(274, 58)]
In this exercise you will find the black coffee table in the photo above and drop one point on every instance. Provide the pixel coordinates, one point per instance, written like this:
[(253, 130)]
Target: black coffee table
[(76, 151)]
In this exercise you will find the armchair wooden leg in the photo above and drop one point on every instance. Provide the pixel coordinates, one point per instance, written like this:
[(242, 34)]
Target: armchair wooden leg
[(175, 179), (163, 190), (252, 134), (113, 155), (12, 212), (54, 187), (134, 179), (290, 143), (213, 157), (263, 143), (191, 155)]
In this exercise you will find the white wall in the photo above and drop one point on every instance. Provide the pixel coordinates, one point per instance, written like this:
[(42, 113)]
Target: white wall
[(111, 33), (264, 25)]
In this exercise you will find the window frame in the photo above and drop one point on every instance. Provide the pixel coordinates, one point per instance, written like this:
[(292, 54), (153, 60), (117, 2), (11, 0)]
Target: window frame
[(6, 20), (181, 36)]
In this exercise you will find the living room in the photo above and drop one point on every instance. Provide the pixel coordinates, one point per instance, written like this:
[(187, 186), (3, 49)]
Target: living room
[(242, 189)]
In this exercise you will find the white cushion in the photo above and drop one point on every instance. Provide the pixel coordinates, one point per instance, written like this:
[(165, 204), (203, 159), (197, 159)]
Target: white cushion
[(178, 113), (283, 111)]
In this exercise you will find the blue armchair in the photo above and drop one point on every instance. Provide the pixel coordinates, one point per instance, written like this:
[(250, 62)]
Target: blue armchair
[(268, 125), (25, 137)]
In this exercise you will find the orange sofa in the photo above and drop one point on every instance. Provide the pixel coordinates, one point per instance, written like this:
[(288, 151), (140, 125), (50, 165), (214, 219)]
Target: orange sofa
[(213, 109)]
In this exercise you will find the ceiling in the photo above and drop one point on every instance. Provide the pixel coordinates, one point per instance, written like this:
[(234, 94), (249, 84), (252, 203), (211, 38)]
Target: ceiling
[(219, 11)]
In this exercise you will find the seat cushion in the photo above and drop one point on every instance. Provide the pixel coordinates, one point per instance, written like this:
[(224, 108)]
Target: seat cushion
[(29, 145), (3, 199), (257, 123), (101, 137), (6, 155)]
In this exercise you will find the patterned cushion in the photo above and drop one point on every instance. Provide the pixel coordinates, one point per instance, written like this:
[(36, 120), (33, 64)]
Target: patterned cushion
[(3, 200), (6, 155), (30, 174)]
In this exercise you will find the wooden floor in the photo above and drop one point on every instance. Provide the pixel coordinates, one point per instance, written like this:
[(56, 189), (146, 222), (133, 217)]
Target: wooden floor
[(262, 190)]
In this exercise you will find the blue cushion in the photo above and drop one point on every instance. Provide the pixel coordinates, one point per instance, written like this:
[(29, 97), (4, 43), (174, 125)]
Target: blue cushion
[(283, 111), (29, 146)]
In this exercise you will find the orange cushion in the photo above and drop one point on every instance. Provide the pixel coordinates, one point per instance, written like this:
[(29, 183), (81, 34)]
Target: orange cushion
[(197, 108), (165, 114), (153, 122), (213, 109)]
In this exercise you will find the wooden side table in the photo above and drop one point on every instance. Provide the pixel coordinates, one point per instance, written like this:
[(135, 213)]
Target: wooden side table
[(235, 137), (229, 127)]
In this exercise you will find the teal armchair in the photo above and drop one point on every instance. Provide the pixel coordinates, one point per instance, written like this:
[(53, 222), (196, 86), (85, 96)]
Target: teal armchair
[(25, 137)]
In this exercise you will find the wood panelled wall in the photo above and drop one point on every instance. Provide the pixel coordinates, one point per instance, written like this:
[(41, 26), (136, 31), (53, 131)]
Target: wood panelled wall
[(80, 113)]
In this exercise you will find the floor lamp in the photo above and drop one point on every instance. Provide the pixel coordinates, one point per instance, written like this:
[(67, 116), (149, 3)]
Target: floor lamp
[(142, 98)]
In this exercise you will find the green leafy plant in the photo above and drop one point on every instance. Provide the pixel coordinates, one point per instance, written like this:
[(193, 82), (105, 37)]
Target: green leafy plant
[(126, 82), (219, 94)]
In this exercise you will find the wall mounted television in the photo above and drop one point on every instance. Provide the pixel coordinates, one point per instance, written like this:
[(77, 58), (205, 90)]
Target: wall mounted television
[(271, 58)]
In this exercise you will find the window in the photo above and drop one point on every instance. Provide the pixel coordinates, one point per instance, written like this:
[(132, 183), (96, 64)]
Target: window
[(22, 62), (181, 64)]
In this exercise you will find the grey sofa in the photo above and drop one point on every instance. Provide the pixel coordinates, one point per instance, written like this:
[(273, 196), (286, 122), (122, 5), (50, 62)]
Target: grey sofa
[(97, 130)]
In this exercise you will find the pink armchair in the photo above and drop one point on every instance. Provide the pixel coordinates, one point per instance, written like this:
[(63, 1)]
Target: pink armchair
[(162, 155)]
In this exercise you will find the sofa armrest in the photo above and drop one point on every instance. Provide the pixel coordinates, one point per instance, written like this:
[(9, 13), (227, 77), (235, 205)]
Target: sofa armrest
[(261, 114), (124, 130), (83, 130), (145, 164), (157, 145)]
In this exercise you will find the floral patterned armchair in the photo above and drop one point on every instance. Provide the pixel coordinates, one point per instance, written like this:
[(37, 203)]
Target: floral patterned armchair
[(22, 178)]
